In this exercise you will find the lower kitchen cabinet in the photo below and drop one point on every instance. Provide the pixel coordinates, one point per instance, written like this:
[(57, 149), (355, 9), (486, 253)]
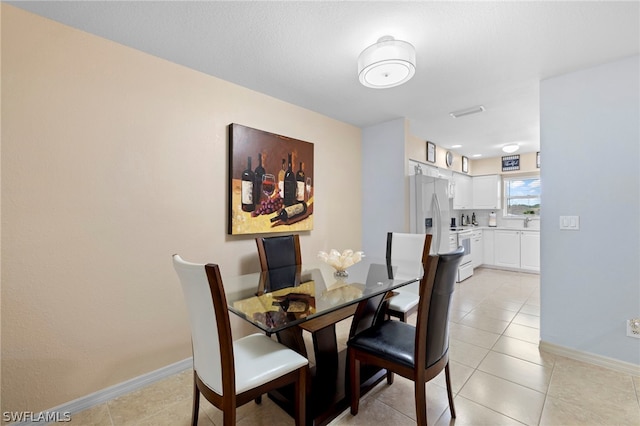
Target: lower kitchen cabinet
[(516, 249), (530, 250), (488, 240), (477, 248), (507, 248)]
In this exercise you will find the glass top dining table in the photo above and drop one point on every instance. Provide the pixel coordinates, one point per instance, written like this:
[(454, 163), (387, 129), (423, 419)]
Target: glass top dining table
[(280, 298), (311, 297)]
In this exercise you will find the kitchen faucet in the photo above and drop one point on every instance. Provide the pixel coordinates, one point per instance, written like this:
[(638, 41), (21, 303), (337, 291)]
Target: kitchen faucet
[(526, 221)]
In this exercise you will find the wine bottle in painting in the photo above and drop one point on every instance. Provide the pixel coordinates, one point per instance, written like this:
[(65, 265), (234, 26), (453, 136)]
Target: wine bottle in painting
[(281, 173), (248, 178), (300, 184), (290, 212), (290, 185), (257, 185)]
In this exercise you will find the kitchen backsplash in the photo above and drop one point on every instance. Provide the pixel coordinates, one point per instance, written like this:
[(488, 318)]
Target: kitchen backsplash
[(482, 217)]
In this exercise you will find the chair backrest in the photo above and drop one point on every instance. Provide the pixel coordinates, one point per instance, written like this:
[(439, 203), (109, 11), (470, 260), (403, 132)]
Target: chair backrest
[(210, 325), (281, 257), (407, 253), (432, 325)]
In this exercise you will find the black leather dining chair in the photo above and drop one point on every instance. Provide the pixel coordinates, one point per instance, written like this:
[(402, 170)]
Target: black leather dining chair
[(280, 258), (417, 353)]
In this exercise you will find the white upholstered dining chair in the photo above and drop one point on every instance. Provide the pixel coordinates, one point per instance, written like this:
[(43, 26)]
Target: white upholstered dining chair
[(231, 373), (407, 253)]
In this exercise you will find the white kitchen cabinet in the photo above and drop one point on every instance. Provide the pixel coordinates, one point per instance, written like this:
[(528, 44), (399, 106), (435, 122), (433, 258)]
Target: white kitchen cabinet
[(486, 192), (530, 250), (477, 248), (463, 198), (488, 241), (517, 249), (507, 248)]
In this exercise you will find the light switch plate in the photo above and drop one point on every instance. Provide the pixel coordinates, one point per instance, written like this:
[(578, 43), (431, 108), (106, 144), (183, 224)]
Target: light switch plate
[(571, 223)]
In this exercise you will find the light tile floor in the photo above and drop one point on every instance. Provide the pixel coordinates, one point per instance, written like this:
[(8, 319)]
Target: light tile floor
[(499, 376)]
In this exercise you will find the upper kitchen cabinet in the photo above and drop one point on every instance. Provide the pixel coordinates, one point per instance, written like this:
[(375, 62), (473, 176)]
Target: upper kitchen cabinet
[(463, 197), (486, 192)]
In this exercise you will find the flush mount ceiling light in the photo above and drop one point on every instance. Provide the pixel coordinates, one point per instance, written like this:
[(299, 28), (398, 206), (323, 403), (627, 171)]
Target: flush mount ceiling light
[(387, 63), (467, 111), (510, 149)]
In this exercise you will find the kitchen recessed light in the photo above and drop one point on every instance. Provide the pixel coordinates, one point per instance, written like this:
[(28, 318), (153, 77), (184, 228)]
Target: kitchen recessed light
[(456, 146), (467, 111), (477, 155), (510, 149)]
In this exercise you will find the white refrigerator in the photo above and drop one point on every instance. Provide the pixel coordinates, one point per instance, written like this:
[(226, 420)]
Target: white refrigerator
[(429, 210)]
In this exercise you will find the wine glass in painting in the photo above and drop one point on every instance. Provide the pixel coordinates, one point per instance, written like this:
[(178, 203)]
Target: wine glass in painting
[(268, 184)]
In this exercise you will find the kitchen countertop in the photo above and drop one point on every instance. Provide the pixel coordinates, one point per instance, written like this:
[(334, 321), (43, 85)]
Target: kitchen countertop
[(459, 229)]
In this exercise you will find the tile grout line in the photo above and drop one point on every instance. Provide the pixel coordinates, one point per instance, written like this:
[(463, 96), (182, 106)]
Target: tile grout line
[(546, 394)]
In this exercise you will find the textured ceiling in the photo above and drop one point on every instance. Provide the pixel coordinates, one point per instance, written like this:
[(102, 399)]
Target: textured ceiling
[(468, 53)]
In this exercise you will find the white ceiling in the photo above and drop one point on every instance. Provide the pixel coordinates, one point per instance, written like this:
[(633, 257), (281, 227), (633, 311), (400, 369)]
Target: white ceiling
[(468, 53)]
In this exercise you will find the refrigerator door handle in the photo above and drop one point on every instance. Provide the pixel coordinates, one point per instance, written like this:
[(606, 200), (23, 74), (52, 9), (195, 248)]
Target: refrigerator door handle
[(436, 203)]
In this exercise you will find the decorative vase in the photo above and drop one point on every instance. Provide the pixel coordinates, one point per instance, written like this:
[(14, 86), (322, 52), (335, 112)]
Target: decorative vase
[(341, 261)]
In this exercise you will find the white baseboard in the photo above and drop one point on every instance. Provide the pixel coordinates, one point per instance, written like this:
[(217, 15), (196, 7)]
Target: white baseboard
[(107, 394), (602, 361)]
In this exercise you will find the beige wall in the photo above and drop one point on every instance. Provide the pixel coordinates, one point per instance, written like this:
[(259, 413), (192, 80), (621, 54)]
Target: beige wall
[(113, 160), (417, 150), (493, 165)]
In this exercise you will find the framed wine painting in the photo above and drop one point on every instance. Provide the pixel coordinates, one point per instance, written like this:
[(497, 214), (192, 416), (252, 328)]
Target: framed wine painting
[(270, 185)]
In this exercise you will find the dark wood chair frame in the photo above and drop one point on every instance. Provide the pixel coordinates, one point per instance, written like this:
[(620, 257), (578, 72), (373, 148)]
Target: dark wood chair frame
[(229, 400), (401, 315), (419, 375)]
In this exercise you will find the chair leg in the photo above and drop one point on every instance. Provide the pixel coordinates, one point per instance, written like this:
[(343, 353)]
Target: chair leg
[(421, 403), (447, 376), (354, 372), (389, 377), (301, 397), (258, 400), (196, 402)]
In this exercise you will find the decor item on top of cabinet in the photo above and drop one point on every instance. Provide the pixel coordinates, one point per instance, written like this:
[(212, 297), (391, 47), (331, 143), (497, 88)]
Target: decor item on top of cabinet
[(538, 159), (449, 158), (465, 164), (510, 163), (277, 195), (431, 152)]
